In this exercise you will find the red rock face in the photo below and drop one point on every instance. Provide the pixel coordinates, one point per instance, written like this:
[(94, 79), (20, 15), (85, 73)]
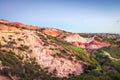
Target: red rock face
[(4, 25), (88, 43), (52, 32), (16, 24), (96, 45)]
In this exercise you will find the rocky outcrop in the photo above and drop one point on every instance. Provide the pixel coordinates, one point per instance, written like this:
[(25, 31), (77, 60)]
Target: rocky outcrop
[(57, 66), (13, 25), (75, 38), (87, 43), (52, 32)]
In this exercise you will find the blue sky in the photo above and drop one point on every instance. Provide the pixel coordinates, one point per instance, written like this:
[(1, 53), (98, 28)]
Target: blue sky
[(94, 16)]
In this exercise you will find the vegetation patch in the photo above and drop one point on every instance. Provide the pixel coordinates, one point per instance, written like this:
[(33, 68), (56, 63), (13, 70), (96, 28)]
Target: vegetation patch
[(23, 47)]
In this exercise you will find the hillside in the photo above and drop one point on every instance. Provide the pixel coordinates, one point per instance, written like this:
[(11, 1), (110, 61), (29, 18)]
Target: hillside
[(36, 53)]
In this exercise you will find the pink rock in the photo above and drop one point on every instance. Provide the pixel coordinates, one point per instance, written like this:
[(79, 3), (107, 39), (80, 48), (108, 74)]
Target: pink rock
[(88, 43)]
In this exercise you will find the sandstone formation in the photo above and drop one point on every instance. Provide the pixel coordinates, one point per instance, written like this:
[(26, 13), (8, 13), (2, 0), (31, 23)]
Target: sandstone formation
[(87, 43)]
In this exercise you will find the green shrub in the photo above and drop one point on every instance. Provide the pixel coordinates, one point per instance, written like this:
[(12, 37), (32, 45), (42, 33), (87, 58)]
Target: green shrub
[(23, 47)]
